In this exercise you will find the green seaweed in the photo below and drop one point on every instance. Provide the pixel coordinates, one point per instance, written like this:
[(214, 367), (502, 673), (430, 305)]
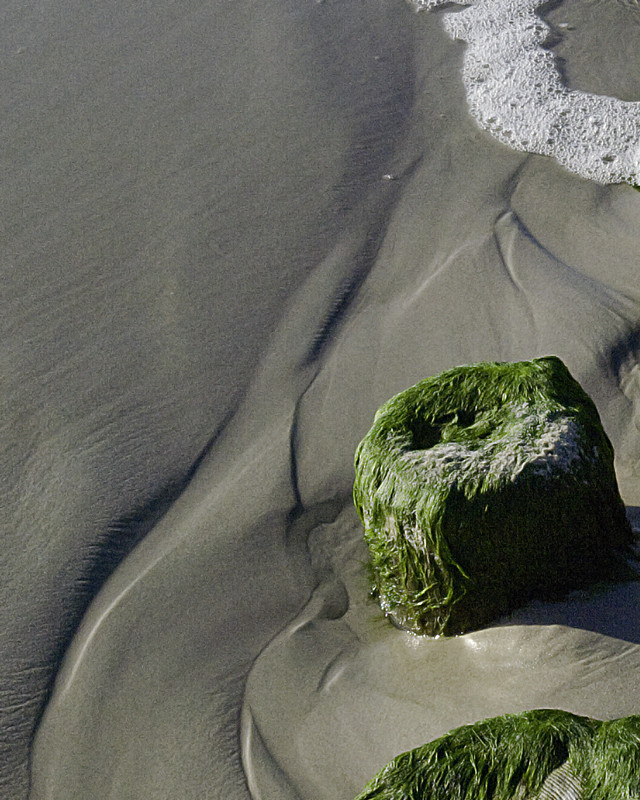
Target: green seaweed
[(504, 757), (610, 766), (513, 755), (482, 487)]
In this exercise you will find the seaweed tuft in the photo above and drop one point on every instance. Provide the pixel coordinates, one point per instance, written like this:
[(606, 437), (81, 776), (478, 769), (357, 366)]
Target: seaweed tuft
[(544, 754), (610, 767), (503, 757)]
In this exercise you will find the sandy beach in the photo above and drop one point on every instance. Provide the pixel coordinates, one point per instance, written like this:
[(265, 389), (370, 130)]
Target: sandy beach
[(230, 233)]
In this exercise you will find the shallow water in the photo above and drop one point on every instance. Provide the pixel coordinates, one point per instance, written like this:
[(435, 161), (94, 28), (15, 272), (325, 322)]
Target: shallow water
[(589, 33)]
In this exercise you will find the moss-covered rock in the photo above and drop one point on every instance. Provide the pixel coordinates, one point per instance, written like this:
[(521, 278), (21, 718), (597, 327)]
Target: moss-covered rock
[(483, 487), (538, 755)]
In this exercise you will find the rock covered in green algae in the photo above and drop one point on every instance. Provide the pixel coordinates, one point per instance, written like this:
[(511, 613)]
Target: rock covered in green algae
[(483, 487), (543, 754)]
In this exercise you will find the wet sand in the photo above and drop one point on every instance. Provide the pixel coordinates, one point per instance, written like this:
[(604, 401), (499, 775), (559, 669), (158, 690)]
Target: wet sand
[(230, 234)]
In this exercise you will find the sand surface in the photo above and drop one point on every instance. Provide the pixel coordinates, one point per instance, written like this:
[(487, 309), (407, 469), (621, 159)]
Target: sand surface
[(230, 232)]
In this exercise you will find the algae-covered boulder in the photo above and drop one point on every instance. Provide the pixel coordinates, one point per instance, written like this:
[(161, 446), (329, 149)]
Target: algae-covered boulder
[(483, 487), (544, 754)]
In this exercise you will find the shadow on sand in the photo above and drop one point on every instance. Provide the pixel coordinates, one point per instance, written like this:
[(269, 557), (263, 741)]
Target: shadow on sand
[(609, 609)]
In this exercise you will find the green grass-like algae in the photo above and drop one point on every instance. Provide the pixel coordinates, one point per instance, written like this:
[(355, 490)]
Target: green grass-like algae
[(610, 766), (482, 487), (545, 753)]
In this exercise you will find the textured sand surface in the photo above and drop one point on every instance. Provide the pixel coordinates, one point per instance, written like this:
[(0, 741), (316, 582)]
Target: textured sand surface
[(230, 232)]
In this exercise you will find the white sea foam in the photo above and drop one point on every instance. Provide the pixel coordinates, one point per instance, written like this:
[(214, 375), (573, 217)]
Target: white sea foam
[(516, 93)]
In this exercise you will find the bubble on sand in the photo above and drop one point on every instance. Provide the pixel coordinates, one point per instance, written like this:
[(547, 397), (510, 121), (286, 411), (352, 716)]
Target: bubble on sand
[(516, 93)]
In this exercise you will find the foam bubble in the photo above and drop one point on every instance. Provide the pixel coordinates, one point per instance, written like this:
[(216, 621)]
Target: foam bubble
[(516, 93)]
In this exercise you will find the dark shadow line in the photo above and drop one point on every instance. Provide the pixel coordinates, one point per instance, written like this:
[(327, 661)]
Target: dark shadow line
[(364, 262)]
